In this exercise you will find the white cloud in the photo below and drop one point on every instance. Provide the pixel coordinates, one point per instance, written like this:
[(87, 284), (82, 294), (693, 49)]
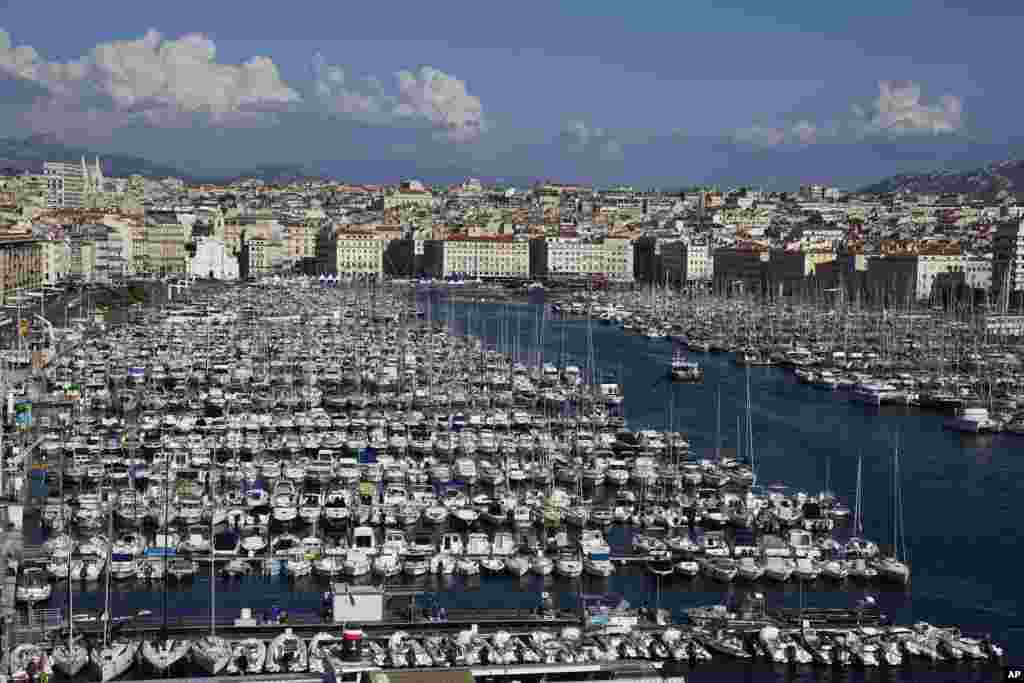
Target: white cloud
[(429, 95), (339, 96), (897, 111), (443, 101), (802, 133), (157, 81), (581, 138)]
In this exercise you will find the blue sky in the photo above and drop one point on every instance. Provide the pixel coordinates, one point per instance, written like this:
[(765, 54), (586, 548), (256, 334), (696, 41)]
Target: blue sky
[(648, 93)]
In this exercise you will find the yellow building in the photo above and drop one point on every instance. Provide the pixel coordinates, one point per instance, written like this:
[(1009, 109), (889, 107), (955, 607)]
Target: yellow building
[(56, 260), (82, 260), (410, 193), (499, 256), (167, 240), (351, 252)]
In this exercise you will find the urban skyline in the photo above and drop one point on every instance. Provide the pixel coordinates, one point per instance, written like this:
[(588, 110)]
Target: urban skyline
[(668, 97)]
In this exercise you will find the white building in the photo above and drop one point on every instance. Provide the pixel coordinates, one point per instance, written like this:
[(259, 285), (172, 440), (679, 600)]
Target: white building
[(1008, 256), (977, 272), (571, 257), (212, 260), (69, 185)]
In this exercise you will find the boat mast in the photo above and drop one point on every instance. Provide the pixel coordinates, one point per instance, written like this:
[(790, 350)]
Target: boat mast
[(858, 527), (750, 433), (718, 422), (213, 582), (106, 599)]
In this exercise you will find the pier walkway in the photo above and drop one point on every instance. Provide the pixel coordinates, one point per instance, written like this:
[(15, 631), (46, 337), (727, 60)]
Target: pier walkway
[(306, 623)]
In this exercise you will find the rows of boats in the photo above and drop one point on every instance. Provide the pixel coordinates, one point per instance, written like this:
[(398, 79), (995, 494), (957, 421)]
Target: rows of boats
[(863, 646), (927, 358), (335, 433)]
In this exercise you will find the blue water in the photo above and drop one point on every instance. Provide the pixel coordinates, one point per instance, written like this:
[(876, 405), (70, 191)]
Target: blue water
[(962, 502), (962, 497)]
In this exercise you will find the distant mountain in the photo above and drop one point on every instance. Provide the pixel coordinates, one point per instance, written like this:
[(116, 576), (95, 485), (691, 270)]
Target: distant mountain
[(988, 182), (30, 153)]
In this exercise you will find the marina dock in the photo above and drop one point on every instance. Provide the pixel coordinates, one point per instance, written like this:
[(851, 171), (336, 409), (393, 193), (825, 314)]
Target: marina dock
[(235, 439)]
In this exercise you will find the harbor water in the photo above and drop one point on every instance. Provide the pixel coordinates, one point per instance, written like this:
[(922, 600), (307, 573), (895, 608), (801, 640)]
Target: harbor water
[(960, 505)]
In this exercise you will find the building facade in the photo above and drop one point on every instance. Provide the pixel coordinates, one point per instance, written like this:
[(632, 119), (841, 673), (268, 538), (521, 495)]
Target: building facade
[(499, 256), (741, 268), (351, 253), (684, 262), (213, 260), (1008, 257), (21, 266), (570, 257)]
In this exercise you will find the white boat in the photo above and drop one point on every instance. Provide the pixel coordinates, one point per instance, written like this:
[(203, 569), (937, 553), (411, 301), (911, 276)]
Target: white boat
[(70, 658), (322, 647), (247, 657), (517, 565), (32, 586), (687, 568), (778, 568), (467, 566), (388, 563), (895, 567), (596, 553), (568, 565), (211, 653), (364, 539), (161, 655), (356, 563), (478, 544), (287, 653), (416, 563), (748, 569), (541, 564), (973, 420), (114, 659)]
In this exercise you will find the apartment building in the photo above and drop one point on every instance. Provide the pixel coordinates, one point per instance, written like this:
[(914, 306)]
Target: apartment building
[(687, 262), (1008, 256), (572, 257), (741, 268), (166, 242), (352, 252), (21, 265), (498, 256), (913, 274), (65, 184)]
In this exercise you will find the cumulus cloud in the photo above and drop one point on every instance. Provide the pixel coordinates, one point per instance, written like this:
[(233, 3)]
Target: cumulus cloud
[(442, 100), (581, 138), (897, 111), (802, 133), (429, 95), (152, 80)]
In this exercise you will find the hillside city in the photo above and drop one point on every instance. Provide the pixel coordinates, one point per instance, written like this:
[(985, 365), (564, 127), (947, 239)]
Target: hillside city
[(73, 223)]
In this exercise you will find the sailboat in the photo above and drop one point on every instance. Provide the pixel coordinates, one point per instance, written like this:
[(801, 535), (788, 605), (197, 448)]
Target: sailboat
[(71, 657), (212, 652), (164, 653), (116, 655), (895, 567)]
